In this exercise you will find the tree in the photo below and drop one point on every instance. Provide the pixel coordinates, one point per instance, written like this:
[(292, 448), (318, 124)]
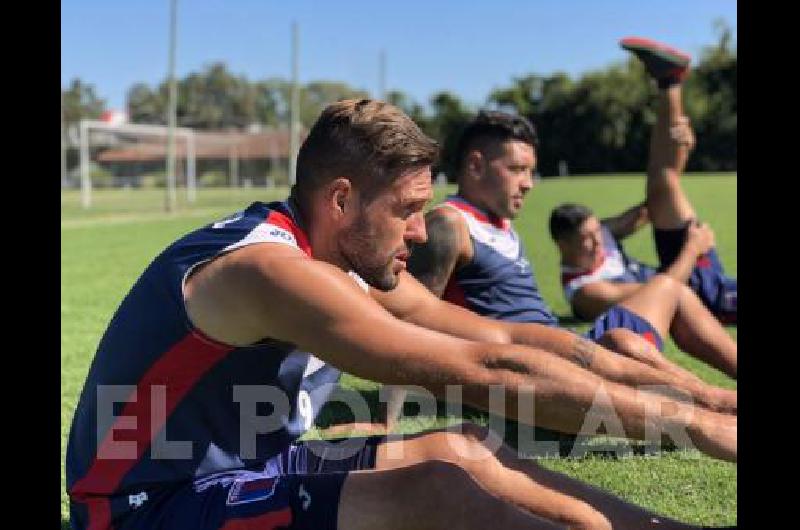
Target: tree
[(80, 101), (316, 95), (711, 104), (450, 116)]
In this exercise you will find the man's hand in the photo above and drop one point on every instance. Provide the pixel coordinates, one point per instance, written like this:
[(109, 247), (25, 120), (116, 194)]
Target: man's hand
[(700, 237), (681, 133)]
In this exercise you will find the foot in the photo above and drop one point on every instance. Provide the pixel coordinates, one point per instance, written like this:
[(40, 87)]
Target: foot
[(665, 64)]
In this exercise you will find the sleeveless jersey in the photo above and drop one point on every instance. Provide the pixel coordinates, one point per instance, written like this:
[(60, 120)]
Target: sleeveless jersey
[(163, 403), (499, 281), (614, 266)]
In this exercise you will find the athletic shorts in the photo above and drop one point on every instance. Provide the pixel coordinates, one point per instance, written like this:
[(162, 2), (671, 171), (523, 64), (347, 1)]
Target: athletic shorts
[(717, 291), (621, 317), (299, 489)]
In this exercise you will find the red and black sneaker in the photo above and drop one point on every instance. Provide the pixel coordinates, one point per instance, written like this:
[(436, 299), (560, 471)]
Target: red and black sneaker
[(665, 64)]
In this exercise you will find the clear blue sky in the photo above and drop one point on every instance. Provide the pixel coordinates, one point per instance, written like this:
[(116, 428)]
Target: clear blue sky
[(468, 48)]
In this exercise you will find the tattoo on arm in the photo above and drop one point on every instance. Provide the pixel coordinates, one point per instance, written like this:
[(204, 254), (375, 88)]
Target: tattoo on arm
[(583, 352), (433, 262), (507, 363)]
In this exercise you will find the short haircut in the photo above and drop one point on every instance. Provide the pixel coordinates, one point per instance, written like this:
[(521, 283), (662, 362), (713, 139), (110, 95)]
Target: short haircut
[(566, 219), (492, 126), (370, 142)]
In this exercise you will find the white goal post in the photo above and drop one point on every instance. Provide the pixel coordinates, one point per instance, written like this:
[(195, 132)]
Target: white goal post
[(86, 126)]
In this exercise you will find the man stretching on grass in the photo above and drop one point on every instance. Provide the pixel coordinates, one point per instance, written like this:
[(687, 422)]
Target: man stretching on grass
[(595, 272), (203, 381), (474, 258)]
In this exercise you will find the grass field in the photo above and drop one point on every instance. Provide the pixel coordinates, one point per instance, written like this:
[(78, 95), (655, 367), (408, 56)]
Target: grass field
[(103, 250)]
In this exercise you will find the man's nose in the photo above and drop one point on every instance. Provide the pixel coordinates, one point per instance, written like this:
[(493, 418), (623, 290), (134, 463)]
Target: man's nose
[(527, 182), (415, 229)]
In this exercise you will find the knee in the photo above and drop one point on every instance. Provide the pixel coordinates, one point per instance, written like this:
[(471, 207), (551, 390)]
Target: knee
[(666, 281), (620, 340), (630, 344)]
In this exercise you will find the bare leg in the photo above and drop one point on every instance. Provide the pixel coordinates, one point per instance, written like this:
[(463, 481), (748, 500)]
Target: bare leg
[(656, 301), (667, 204), (522, 482), (672, 308), (636, 347), (698, 332), (427, 496)]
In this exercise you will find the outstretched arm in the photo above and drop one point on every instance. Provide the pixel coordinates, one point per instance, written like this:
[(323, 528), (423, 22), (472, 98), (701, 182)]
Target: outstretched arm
[(276, 292), (412, 302), (628, 222)]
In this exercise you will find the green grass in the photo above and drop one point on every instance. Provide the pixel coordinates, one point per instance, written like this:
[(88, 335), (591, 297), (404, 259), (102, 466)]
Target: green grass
[(104, 249)]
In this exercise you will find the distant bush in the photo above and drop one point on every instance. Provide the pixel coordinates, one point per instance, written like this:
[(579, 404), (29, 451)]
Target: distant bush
[(157, 179), (213, 179)]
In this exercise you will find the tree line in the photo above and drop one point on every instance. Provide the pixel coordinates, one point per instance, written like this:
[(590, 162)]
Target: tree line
[(597, 123)]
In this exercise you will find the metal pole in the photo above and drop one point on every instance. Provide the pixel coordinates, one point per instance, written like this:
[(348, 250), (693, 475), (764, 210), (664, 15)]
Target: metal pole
[(191, 179), (63, 147), (294, 117), (233, 169), (86, 183), (171, 117)]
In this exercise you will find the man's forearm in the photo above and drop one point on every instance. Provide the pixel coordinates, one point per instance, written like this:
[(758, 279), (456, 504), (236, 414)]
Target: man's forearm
[(564, 397), (628, 221), (605, 363)]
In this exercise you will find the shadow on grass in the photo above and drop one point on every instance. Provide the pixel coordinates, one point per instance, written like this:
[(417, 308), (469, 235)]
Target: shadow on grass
[(65, 524)]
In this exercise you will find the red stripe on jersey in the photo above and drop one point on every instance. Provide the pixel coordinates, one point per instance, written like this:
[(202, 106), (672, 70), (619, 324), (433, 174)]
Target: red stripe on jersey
[(703, 262), (268, 521), (567, 277), (99, 513), (503, 224), (649, 337), (284, 221), (178, 370), (454, 294)]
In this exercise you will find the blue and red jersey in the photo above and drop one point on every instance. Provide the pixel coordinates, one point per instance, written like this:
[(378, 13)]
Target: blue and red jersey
[(163, 403), (614, 266), (499, 281), (708, 279)]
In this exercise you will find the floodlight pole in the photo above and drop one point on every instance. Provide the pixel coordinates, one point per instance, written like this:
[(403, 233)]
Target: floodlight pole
[(172, 113), (294, 117), (191, 180), (86, 183), (63, 147)]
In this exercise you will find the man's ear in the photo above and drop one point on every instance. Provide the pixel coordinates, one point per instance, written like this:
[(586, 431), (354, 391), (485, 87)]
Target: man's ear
[(340, 196), (475, 164)]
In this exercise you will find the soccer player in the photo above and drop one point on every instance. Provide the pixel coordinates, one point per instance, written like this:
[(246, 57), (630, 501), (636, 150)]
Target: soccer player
[(474, 258), (224, 350), (597, 274)]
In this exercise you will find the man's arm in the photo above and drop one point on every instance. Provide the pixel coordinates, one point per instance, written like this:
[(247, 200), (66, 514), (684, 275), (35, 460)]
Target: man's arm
[(269, 291), (628, 222), (448, 247), (412, 302)]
